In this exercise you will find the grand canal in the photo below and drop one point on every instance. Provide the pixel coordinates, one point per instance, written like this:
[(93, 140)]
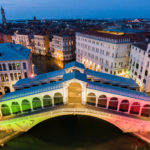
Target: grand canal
[(72, 132)]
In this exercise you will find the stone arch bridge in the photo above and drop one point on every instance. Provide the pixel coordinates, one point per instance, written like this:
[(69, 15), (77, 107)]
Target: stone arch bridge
[(76, 90)]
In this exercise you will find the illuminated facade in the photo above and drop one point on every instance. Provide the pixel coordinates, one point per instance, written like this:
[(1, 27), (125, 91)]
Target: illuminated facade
[(40, 44), (79, 91), (140, 65), (15, 64), (22, 39), (62, 47), (103, 51)]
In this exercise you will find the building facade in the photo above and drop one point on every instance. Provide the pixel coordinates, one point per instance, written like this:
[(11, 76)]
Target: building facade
[(15, 64), (40, 44), (22, 39), (139, 65), (103, 52), (62, 47)]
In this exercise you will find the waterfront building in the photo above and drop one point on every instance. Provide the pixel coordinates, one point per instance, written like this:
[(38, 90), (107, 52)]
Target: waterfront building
[(139, 65), (62, 47), (40, 44), (15, 64), (105, 51), (22, 39)]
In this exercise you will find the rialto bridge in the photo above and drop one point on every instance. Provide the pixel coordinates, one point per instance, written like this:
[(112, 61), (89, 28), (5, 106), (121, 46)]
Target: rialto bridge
[(78, 91)]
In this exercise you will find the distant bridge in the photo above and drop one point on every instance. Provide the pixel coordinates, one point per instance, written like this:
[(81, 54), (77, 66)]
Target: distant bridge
[(76, 93)]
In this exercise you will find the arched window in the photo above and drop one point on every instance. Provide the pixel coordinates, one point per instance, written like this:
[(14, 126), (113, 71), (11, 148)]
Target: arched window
[(11, 76), (36, 102), (15, 108), (6, 89), (146, 111), (26, 105), (5, 110), (10, 66), (15, 75), (113, 103), (91, 99), (58, 99), (102, 101), (47, 101), (135, 108), (124, 106), (6, 77)]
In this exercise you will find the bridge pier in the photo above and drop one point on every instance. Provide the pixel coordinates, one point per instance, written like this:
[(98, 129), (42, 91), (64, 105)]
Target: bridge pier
[(6, 136)]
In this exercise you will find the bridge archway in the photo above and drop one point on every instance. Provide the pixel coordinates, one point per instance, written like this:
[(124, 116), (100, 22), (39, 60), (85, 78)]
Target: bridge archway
[(113, 103), (26, 106), (146, 111), (47, 101), (5, 110), (91, 99), (36, 102), (75, 93), (102, 101), (58, 99), (124, 106), (135, 108), (15, 108)]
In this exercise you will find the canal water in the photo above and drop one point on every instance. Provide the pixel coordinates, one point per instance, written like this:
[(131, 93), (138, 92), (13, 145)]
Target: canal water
[(72, 132)]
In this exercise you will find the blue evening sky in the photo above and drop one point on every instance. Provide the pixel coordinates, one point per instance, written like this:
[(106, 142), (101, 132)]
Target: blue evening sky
[(50, 9)]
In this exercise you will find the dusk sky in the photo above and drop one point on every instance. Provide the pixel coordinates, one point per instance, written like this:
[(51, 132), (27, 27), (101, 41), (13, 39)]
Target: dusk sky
[(51, 9)]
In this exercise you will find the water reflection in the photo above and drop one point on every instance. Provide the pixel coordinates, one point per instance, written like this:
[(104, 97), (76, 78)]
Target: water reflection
[(75, 133), (46, 64)]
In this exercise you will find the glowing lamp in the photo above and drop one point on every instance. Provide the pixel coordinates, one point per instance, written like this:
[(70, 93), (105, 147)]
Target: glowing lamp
[(32, 75)]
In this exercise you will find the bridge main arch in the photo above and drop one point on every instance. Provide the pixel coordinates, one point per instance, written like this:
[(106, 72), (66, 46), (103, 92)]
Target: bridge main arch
[(24, 123), (124, 123)]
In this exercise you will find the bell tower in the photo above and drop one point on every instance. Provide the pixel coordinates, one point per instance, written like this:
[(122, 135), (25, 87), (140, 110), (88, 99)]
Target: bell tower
[(3, 16)]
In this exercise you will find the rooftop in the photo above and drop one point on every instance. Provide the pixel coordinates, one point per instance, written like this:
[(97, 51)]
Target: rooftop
[(40, 78), (32, 91), (10, 52), (118, 90), (113, 78), (141, 45), (79, 76), (124, 30), (74, 64)]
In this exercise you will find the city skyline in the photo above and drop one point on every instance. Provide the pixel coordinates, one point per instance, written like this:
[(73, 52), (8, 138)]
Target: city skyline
[(94, 9)]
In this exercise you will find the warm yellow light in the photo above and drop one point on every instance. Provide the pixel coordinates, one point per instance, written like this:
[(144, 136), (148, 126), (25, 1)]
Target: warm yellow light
[(111, 32)]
